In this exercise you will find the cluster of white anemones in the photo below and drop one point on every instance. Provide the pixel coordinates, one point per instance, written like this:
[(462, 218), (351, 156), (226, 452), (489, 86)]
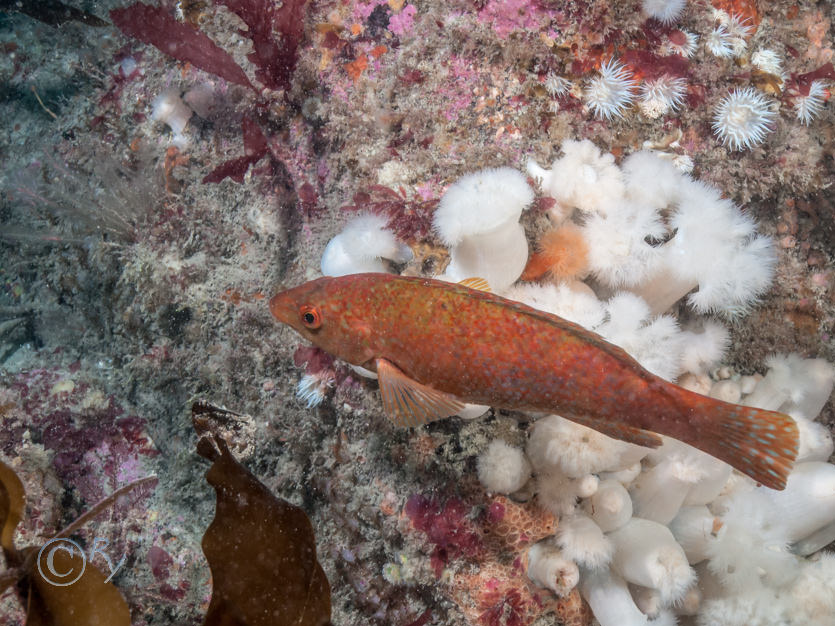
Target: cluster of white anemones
[(741, 119), (651, 536)]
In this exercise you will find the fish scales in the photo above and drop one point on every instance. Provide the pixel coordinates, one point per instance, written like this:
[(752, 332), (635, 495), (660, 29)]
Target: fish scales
[(435, 345)]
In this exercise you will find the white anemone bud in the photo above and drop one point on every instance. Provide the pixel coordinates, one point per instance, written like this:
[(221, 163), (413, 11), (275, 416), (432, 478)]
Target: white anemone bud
[(646, 553), (808, 501), (610, 507), (582, 541), (548, 567), (503, 468), (694, 529)]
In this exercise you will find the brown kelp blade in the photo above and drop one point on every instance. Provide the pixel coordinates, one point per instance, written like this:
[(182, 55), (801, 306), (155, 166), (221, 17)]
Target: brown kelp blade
[(64, 587), (87, 601), (12, 503), (260, 548)]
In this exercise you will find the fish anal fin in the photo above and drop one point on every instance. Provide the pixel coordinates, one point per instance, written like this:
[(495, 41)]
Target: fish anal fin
[(620, 432), (480, 284), (410, 403)]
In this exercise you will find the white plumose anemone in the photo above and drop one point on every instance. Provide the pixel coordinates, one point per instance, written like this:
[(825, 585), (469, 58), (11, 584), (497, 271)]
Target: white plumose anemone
[(478, 219), (611, 93), (361, 247), (743, 118)]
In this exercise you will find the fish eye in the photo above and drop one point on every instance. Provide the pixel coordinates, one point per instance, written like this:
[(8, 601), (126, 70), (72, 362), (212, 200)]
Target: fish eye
[(310, 316)]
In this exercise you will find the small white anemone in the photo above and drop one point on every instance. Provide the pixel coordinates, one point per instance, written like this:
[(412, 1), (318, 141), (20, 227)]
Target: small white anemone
[(361, 246), (557, 86), (312, 388), (665, 11), (551, 569), (769, 61), (503, 468), (662, 95), (808, 107), (610, 506), (583, 541), (703, 348), (743, 118), (646, 554), (693, 528), (737, 25), (653, 341), (169, 109), (652, 179), (718, 42), (611, 93), (680, 42)]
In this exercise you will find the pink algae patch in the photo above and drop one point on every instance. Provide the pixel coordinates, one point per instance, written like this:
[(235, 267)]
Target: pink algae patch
[(457, 90), (507, 16), (401, 23)]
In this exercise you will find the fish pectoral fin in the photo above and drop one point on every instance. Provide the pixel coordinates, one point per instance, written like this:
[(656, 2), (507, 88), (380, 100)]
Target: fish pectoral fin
[(621, 432), (410, 403), (477, 283)]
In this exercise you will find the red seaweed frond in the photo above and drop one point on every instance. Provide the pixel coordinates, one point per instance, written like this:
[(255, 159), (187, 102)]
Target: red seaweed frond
[(800, 83), (157, 27), (255, 147), (276, 61), (409, 219)]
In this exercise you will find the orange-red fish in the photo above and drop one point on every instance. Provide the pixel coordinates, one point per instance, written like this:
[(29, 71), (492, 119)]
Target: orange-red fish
[(436, 345)]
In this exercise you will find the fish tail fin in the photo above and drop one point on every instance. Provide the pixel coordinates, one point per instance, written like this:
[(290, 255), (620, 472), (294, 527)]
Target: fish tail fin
[(761, 444)]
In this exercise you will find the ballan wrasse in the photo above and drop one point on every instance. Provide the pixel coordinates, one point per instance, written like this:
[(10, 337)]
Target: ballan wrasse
[(437, 345)]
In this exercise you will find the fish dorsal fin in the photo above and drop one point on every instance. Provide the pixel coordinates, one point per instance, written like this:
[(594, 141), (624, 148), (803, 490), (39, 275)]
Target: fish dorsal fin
[(408, 402), (479, 284), (621, 432)]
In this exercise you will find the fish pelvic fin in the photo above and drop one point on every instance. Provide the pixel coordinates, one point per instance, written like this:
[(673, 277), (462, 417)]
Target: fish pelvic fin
[(407, 402), (760, 444)]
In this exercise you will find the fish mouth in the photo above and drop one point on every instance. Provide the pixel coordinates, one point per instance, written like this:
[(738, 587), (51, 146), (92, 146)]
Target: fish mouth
[(281, 307)]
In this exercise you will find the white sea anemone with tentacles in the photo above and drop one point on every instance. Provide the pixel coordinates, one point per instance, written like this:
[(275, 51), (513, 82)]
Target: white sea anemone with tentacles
[(611, 93), (662, 95), (743, 118), (665, 11), (681, 42), (808, 107)]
